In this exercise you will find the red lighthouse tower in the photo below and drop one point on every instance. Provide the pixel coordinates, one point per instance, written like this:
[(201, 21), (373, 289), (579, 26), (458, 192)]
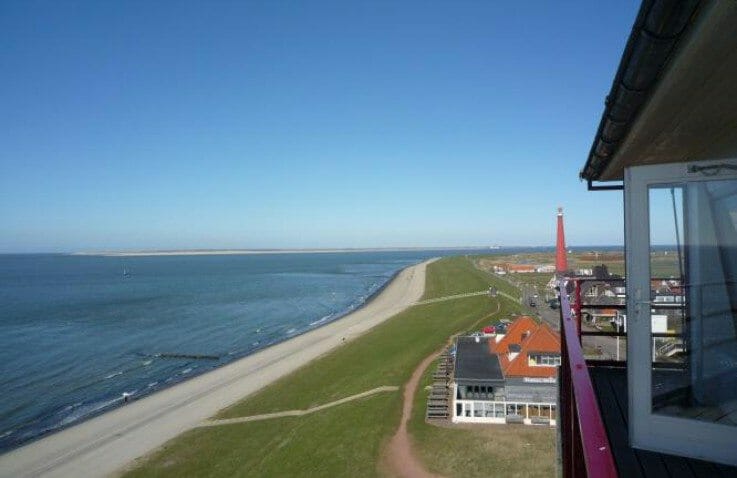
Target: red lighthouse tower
[(561, 255)]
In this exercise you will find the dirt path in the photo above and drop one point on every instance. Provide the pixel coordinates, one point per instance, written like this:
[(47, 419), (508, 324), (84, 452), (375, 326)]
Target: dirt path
[(400, 458)]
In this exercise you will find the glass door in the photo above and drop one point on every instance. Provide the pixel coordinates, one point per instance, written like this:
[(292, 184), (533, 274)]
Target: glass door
[(681, 243)]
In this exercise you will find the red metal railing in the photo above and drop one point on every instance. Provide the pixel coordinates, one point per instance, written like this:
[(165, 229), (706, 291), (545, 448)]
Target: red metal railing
[(579, 306), (584, 444)]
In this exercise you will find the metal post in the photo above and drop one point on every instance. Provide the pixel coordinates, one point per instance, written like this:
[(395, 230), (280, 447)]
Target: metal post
[(617, 348), (577, 284)]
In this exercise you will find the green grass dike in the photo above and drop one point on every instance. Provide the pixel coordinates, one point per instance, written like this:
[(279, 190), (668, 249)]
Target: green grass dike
[(348, 439)]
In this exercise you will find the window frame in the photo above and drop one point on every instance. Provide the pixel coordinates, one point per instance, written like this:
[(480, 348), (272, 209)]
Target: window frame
[(648, 430)]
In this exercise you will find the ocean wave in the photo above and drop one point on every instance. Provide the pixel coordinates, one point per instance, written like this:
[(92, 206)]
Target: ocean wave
[(322, 320), (71, 407), (86, 410), (114, 374)]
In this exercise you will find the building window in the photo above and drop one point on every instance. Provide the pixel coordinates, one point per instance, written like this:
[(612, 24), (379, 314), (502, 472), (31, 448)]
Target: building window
[(544, 360)]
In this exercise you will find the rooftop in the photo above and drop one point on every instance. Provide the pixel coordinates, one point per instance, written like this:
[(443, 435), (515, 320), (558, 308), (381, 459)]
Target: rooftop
[(475, 363), (674, 95), (542, 340), (526, 336)]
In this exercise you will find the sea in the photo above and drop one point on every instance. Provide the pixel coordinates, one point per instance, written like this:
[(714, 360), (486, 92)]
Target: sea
[(79, 331)]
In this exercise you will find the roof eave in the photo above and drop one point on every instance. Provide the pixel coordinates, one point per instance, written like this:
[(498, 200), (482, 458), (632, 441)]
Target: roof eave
[(654, 39)]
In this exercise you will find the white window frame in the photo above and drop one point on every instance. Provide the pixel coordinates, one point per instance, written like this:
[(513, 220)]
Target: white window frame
[(544, 360), (662, 433)]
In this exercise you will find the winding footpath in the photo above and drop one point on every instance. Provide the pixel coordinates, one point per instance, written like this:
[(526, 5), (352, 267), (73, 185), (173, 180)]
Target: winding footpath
[(400, 458)]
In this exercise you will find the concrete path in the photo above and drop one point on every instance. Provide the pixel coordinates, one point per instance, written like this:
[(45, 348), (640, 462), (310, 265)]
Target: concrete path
[(299, 413), (452, 297), (106, 444), (463, 296)]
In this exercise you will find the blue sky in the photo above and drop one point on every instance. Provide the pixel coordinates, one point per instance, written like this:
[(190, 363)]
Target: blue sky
[(132, 125)]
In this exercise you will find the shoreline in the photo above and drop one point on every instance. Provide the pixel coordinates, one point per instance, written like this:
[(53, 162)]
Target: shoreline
[(113, 406), (109, 442)]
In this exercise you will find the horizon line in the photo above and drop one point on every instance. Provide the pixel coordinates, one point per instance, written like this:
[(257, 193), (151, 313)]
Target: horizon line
[(244, 251)]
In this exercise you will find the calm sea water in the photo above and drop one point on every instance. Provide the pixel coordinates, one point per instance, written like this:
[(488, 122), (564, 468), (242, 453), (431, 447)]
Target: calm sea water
[(75, 333)]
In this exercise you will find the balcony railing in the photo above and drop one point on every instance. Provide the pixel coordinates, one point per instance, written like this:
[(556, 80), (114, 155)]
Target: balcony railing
[(673, 340), (584, 444)]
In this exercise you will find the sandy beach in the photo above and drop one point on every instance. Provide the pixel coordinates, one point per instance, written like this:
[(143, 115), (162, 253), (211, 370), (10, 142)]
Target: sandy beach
[(106, 444)]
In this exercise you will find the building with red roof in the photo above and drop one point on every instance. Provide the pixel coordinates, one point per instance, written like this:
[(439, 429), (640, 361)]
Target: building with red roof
[(510, 377)]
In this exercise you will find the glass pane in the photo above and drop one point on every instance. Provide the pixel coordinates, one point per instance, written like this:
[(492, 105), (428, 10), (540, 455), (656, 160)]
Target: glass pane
[(603, 301), (693, 272)]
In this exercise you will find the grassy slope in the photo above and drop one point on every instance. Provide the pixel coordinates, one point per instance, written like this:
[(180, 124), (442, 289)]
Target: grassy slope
[(340, 441), (304, 446)]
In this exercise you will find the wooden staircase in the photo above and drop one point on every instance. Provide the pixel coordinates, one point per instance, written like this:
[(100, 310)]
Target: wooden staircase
[(439, 401)]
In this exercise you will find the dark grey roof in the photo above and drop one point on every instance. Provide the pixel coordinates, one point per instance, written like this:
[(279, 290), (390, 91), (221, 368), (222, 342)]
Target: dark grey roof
[(476, 363)]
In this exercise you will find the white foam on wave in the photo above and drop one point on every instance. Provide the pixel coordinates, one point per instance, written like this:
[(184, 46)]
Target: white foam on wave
[(321, 320), (186, 371), (291, 331), (72, 406), (84, 411), (114, 374)]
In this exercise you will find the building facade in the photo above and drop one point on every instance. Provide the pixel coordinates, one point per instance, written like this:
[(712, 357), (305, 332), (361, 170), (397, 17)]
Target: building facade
[(509, 377)]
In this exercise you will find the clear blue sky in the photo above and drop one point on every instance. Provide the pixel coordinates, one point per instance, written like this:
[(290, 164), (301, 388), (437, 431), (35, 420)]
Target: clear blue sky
[(131, 125)]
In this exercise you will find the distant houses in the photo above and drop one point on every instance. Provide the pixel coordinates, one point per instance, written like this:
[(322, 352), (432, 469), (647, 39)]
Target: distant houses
[(507, 377), (511, 268)]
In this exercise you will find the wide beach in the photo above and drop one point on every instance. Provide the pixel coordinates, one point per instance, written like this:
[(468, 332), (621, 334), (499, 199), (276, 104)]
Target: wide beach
[(106, 444)]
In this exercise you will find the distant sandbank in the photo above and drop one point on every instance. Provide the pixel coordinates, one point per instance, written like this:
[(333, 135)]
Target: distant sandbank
[(223, 252)]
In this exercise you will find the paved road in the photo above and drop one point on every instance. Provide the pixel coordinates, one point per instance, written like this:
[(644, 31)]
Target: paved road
[(607, 345)]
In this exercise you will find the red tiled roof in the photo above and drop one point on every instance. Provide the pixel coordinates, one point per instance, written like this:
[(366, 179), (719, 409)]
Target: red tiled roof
[(606, 312), (544, 340), (514, 334), (538, 338)]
